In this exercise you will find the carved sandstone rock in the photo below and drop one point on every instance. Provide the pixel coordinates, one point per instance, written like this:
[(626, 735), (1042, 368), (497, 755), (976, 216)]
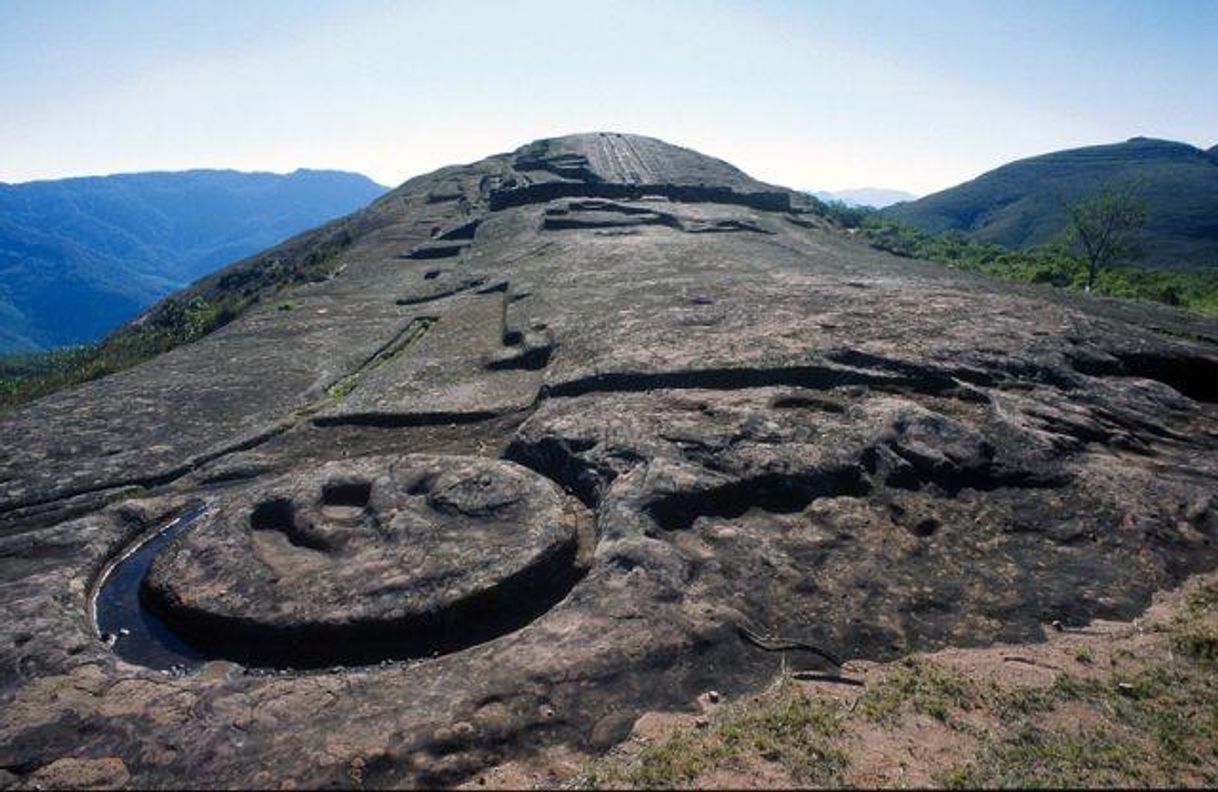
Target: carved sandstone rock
[(566, 424), (382, 557)]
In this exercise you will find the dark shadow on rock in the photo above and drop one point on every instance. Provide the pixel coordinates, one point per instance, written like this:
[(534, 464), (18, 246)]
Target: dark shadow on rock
[(774, 493)]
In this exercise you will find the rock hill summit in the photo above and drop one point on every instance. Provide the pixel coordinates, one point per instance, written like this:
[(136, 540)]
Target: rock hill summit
[(564, 435)]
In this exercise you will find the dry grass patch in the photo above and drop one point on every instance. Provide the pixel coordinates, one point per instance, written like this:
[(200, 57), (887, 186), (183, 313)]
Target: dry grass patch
[(1116, 704), (918, 686), (783, 735)]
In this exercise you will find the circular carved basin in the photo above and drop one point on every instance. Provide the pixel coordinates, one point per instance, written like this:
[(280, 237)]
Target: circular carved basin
[(370, 559)]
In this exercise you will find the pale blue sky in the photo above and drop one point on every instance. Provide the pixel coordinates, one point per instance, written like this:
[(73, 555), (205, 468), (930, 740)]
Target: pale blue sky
[(830, 95)]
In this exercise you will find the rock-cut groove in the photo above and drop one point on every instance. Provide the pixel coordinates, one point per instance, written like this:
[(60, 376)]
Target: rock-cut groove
[(152, 480), (464, 231), (913, 472), (145, 631), (437, 250), (118, 614), (440, 294), (1193, 376), (280, 515), (405, 420), (559, 460), (772, 492), (405, 338), (811, 377), (482, 616), (544, 192)]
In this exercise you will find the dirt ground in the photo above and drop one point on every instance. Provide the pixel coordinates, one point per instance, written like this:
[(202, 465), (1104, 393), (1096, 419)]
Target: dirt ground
[(1111, 704)]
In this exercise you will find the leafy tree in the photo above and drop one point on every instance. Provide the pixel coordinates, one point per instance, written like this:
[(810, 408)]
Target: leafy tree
[(1194, 290), (846, 215), (1102, 226)]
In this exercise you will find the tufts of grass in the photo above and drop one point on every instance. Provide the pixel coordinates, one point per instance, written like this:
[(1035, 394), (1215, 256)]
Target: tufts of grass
[(1033, 757), (1014, 705), (796, 733), (680, 759), (127, 493), (1159, 726), (343, 387), (1194, 636), (1200, 646), (783, 726), (1199, 602), (923, 687)]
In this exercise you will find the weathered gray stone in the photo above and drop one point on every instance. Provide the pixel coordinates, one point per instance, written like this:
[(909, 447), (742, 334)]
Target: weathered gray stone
[(769, 426), (376, 558)]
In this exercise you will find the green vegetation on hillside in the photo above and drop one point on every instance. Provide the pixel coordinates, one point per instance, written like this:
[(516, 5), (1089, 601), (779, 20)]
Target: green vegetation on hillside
[(177, 320), (1102, 226), (24, 378), (1050, 264), (1024, 204), (82, 256)]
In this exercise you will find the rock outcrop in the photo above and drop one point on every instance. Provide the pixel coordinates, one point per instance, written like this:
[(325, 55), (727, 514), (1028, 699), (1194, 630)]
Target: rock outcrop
[(376, 559), (568, 426)]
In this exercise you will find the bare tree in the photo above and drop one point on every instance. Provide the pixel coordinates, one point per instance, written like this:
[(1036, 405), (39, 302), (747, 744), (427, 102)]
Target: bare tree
[(1103, 225)]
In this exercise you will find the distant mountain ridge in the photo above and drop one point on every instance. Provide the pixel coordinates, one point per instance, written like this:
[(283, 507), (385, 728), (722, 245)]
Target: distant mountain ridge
[(1020, 204), (875, 197), (79, 256)]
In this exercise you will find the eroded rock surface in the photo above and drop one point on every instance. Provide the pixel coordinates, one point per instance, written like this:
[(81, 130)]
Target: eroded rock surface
[(565, 422), (380, 558)]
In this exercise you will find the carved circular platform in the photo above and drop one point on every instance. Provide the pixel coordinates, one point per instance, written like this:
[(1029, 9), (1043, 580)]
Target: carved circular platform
[(364, 560)]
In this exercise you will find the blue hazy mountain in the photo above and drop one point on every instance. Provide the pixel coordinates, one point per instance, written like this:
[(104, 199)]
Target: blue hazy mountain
[(875, 197), (80, 256)]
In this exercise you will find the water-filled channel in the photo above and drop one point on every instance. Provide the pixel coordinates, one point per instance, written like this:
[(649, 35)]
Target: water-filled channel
[(139, 636)]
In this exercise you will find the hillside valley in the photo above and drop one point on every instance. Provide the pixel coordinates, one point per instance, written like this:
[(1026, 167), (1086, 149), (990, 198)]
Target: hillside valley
[(1021, 204), (80, 256), (875, 197), (531, 447)]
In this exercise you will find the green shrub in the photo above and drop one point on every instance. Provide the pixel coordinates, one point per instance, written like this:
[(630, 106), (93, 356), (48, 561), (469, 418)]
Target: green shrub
[(1194, 290), (25, 378)]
